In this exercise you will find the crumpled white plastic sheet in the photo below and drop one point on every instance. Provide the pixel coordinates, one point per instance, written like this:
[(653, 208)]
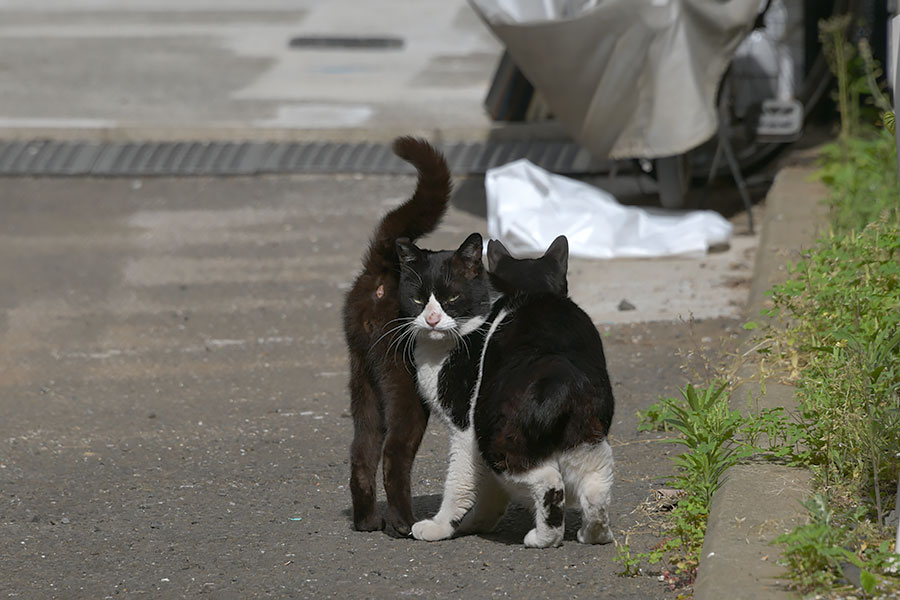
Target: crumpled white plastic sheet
[(528, 207)]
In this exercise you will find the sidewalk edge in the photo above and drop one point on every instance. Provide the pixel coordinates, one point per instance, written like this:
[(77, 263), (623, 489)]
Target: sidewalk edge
[(758, 502)]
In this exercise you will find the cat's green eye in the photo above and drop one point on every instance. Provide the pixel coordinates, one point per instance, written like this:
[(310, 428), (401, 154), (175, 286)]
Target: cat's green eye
[(453, 299), (417, 301)]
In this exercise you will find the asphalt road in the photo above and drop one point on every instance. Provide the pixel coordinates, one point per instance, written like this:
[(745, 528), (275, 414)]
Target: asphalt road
[(173, 407)]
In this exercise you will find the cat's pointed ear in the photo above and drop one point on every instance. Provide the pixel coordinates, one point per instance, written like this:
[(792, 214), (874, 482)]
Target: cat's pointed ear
[(468, 256), (495, 253), (559, 251), (406, 251)]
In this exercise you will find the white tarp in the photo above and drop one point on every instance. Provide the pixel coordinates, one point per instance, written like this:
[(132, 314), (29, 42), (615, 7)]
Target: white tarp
[(626, 78), (527, 207)]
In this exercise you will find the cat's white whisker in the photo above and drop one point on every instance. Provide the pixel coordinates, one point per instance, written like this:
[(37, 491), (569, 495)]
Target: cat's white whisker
[(398, 340), (463, 341), (391, 330), (399, 319), (409, 350)]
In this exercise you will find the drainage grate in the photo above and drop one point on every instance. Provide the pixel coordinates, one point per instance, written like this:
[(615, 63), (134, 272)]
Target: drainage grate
[(58, 158), (346, 43)]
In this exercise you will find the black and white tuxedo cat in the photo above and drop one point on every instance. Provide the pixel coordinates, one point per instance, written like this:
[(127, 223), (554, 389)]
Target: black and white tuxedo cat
[(516, 370)]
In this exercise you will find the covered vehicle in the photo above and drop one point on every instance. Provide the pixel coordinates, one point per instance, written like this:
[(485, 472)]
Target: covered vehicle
[(626, 78)]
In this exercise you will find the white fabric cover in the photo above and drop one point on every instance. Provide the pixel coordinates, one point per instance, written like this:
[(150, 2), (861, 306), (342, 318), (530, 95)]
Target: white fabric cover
[(626, 78), (527, 207)]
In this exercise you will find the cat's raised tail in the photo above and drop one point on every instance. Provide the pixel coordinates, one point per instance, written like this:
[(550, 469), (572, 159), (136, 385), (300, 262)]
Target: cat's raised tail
[(422, 213)]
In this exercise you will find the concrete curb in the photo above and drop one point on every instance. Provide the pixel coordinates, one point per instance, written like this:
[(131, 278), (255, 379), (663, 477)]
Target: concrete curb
[(759, 502)]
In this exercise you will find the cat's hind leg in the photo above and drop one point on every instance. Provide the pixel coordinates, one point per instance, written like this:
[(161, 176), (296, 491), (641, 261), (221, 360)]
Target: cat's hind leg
[(490, 504), (406, 418), (460, 489), (365, 450), (594, 493), (547, 491)]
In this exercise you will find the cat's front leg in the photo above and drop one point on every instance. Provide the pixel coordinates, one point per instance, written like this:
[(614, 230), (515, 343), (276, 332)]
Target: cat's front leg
[(490, 505), (547, 491), (460, 489)]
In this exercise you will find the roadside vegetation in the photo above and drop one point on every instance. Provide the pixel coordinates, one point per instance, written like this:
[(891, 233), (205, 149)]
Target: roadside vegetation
[(834, 334)]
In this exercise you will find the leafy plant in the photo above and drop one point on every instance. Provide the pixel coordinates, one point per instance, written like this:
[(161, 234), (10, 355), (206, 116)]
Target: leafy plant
[(860, 167), (838, 335), (818, 556), (655, 417), (631, 564), (841, 320), (773, 435), (814, 552), (707, 429), (839, 53), (861, 174), (707, 426)]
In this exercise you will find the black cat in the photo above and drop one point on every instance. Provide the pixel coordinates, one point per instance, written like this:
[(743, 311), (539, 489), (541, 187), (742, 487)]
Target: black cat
[(517, 372), (388, 415)]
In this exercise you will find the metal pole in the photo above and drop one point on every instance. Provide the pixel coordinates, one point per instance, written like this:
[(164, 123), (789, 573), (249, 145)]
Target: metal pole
[(895, 59), (897, 512)]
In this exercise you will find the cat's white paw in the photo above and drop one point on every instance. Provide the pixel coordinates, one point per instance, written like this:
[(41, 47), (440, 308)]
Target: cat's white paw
[(595, 534), (431, 531), (551, 538)]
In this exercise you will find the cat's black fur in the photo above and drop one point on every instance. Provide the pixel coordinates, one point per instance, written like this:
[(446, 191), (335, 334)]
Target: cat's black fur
[(545, 386), (533, 363), (517, 276)]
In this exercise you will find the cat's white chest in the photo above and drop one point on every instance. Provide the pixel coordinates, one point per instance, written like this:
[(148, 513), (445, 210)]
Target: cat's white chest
[(430, 356)]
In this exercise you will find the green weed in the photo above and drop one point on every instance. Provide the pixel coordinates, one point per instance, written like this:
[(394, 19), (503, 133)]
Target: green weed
[(706, 427), (861, 174), (840, 318), (838, 334)]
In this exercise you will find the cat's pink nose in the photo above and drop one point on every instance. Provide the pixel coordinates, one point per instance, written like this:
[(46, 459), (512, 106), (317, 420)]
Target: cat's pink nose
[(433, 319)]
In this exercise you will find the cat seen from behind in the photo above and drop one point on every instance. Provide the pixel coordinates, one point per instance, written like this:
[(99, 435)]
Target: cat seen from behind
[(389, 417), (517, 372)]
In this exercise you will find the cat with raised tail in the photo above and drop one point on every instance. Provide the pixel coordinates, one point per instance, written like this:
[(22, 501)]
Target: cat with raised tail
[(516, 370), (389, 417)]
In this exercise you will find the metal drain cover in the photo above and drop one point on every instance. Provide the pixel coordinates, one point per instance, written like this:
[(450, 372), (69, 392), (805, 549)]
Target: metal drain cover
[(113, 159), (347, 43)]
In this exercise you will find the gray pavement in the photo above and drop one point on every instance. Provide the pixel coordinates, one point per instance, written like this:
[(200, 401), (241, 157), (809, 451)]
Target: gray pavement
[(173, 405), (205, 69)]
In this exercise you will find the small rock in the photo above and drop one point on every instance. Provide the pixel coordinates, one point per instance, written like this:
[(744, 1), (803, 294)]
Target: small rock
[(626, 305), (65, 521)]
